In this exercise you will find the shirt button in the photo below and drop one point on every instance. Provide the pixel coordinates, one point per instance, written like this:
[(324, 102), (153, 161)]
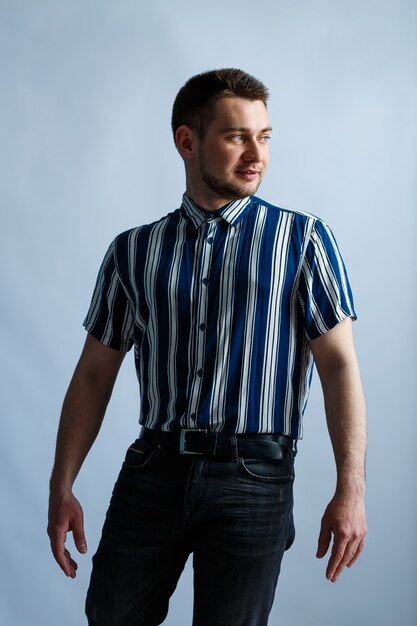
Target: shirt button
[(205, 281), (209, 240), (193, 416), (200, 372), (202, 327)]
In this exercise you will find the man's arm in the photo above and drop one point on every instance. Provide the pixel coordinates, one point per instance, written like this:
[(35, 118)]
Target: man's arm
[(82, 414), (337, 366)]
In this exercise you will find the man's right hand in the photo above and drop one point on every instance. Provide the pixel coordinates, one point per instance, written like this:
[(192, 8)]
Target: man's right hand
[(65, 515)]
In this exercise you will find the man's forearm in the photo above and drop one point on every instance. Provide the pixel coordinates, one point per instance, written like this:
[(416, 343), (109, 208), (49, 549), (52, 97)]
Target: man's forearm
[(83, 410), (82, 414), (346, 420)]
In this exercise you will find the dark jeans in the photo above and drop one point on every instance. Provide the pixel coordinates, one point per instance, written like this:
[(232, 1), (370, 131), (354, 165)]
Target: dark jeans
[(234, 516)]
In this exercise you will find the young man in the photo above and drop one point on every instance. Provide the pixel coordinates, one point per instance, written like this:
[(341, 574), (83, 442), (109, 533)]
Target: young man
[(226, 300)]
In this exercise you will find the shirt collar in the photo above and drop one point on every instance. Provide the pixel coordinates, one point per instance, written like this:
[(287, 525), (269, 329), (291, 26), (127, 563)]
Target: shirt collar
[(232, 212)]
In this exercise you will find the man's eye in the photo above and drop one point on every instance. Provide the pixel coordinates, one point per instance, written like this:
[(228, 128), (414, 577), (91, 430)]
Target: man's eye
[(265, 138), (238, 137)]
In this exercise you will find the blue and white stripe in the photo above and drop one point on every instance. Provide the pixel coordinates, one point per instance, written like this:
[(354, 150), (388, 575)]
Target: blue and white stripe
[(221, 308)]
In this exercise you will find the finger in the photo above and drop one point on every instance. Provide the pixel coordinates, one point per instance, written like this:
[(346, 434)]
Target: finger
[(71, 561), (70, 565), (324, 538), (357, 553), (351, 552), (343, 563), (336, 563), (77, 525), (58, 538), (61, 554)]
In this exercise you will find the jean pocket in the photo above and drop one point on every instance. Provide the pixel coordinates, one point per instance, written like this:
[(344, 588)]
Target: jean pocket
[(139, 455), (277, 471)]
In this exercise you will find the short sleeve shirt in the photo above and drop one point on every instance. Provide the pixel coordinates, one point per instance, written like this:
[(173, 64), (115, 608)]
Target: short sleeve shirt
[(221, 308)]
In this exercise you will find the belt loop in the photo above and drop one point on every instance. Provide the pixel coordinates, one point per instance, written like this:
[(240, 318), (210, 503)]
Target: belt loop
[(163, 443), (234, 453), (212, 444)]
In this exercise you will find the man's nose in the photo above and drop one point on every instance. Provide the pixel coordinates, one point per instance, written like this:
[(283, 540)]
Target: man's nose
[(253, 152)]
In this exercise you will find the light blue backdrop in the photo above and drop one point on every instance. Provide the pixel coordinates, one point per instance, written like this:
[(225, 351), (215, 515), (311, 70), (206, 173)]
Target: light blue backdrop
[(86, 152)]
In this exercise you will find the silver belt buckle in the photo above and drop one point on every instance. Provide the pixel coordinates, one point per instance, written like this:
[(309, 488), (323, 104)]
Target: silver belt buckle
[(183, 433)]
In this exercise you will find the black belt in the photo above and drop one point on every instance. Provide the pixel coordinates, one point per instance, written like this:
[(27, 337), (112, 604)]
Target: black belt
[(248, 445)]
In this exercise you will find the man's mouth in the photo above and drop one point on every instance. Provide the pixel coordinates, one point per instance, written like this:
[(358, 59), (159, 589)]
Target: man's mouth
[(248, 175)]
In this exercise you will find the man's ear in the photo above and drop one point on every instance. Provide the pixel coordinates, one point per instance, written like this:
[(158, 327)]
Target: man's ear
[(185, 141)]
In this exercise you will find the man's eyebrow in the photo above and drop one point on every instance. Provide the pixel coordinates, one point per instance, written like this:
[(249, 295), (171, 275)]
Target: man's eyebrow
[(242, 129)]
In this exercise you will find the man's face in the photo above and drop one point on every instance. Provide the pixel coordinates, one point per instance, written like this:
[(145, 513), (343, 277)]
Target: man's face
[(232, 157)]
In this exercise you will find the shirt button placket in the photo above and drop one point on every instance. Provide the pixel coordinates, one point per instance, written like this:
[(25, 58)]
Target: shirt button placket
[(207, 254)]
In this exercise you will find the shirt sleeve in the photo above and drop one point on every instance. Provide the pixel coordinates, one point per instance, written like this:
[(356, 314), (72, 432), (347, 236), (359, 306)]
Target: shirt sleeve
[(110, 316), (324, 291)]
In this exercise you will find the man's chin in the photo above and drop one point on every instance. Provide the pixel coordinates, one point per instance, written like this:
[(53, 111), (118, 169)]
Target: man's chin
[(247, 190), (232, 190), (238, 191)]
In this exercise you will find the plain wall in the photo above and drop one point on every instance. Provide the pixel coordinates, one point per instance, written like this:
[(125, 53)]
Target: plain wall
[(86, 152)]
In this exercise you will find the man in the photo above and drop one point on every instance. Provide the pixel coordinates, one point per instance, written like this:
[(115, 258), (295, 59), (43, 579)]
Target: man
[(226, 300)]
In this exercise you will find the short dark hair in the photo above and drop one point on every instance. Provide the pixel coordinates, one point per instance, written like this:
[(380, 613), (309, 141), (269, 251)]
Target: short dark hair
[(194, 104)]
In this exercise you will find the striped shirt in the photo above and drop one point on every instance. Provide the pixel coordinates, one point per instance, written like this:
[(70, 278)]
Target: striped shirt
[(220, 308)]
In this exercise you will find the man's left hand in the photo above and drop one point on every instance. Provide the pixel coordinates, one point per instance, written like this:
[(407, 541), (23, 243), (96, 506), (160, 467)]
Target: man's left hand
[(344, 518)]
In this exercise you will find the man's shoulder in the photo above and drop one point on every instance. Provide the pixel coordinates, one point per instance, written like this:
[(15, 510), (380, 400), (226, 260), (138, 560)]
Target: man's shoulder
[(144, 230), (279, 209)]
